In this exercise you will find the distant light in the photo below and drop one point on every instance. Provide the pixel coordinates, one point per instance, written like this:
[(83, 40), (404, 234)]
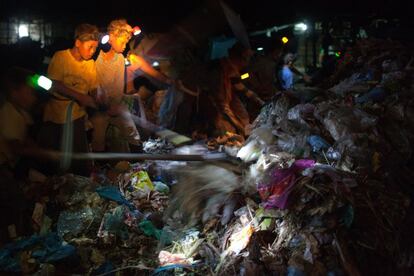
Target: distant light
[(244, 76), (44, 82), (127, 63), (23, 31), (338, 54), (155, 64), (136, 30), (285, 40), (301, 27), (260, 49), (105, 39)]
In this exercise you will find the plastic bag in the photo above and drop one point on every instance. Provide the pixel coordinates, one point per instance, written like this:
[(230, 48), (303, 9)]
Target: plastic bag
[(150, 230), (142, 182), (114, 223), (299, 112), (49, 248), (274, 191), (168, 110), (161, 187), (377, 94), (342, 121), (113, 193), (293, 143), (250, 152), (74, 222), (317, 143), (356, 83)]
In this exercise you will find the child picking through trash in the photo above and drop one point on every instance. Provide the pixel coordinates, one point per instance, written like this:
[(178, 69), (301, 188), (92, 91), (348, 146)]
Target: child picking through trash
[(112, 92), (74, 78), (17, 99), (227, 111)]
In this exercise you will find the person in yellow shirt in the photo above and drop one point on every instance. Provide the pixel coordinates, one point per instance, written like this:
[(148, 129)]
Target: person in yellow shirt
[(17, 98), (74, 80)]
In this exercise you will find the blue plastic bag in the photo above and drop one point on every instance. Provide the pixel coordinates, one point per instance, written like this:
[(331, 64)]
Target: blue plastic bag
[(317, 143), (113, 193), (51, 249)]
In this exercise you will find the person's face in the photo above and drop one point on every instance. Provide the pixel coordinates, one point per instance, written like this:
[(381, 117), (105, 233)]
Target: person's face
[(86, 48), (25, 96), (118, 43)]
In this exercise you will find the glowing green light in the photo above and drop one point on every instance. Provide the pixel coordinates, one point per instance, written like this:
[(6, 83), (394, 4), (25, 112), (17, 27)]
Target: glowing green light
[(40, 81)]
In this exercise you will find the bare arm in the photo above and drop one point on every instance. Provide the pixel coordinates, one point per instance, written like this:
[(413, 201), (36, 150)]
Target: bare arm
[(148, 69), (234, 120), (28, 149), (249, 93), (185, 89), (303, 75), (85, 100)]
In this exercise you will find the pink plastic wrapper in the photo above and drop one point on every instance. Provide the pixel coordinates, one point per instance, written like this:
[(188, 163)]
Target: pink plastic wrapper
[(275, 193), (167, 258)]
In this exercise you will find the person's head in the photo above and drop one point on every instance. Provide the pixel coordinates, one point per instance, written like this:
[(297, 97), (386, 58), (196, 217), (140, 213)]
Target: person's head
[(289, 59), (16, 87), (240, 55), (275, 51), (86, 40), (119, 34)]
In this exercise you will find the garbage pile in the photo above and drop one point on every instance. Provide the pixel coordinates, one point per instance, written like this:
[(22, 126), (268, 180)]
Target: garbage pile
[(332, 179), (319, 188)]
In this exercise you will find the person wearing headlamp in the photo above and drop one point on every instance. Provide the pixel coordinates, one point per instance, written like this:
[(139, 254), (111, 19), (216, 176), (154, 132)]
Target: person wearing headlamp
[(111, 94)]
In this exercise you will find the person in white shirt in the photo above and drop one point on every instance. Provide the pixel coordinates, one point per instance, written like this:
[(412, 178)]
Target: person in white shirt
[(111, 74)]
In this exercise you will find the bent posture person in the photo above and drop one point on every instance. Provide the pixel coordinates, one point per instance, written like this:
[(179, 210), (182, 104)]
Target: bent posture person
[(15, 119), (231, 115), (74, 78), (111, 91)]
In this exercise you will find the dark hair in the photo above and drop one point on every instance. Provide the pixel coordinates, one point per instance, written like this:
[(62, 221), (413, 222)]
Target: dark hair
[(13, 79), (120, 27), (86, 32), (237, 50), (289, 57), (240, 52)]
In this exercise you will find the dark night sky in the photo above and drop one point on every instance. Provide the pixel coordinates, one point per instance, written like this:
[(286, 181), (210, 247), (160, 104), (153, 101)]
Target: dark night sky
[(161, 14)]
